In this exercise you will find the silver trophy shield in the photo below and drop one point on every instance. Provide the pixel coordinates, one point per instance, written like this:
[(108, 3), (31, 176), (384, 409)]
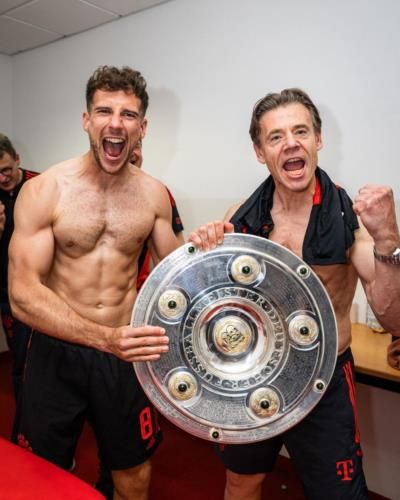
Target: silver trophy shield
[(253, 339)]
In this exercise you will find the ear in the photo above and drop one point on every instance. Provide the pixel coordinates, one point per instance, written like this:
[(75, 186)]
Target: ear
[(259, 153), (85, 120), (143, 127), (319, 141), (17, 159)]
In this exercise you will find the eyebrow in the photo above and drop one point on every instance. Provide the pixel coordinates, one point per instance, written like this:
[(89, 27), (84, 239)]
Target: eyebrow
[(280, 130), (109, 108), (301, 125)]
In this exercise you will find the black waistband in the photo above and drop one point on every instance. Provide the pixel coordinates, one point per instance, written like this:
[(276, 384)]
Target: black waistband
[(343, 358)]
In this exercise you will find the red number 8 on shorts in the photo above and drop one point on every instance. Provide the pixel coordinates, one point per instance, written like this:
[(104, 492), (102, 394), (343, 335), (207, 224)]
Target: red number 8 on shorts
[(146, 423)]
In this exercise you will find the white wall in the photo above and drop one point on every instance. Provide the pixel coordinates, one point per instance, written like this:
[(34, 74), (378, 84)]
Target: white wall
[(6, 95), (207, 62)]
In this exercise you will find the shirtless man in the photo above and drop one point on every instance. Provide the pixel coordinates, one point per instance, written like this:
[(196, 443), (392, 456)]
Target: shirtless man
[(79, 229), (299, 207)]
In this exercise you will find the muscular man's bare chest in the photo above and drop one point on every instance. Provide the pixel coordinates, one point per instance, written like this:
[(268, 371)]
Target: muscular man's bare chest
[(91, 220)]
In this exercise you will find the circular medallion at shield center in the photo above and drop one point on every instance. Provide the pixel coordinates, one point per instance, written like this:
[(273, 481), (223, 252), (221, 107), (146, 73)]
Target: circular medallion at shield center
[(232, 335)]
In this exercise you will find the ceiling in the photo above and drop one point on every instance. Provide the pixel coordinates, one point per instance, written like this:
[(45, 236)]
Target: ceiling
[(26, 24)]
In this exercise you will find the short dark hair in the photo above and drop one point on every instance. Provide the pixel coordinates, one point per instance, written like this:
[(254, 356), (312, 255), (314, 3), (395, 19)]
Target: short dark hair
[(283, 98), (111, 78), (7, 147)]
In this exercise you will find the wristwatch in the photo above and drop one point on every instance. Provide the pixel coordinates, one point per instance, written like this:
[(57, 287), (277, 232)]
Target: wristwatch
[(393, 258)]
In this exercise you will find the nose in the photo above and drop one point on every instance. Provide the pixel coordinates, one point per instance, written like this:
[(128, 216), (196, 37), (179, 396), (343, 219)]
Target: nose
[(115, 120), (291, 141)]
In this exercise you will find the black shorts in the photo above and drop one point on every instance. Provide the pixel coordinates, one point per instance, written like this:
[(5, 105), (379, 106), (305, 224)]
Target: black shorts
[(64, 385), (325, 446)]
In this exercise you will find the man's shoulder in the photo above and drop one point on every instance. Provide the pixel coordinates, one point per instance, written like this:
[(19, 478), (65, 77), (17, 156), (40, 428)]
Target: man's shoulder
[(146, 177), (43, 185), (58, 173), (151, 186)]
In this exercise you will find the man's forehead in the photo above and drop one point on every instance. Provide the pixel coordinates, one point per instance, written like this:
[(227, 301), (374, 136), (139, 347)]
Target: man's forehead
[(288, 113), (115, 98), (7, 159)]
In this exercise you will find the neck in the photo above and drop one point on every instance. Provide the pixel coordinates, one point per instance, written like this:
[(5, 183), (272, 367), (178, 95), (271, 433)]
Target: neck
[(103, 179), (293, 201)]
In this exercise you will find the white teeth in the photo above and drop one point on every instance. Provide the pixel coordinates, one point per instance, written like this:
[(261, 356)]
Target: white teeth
[(293, 160), (114, 140)]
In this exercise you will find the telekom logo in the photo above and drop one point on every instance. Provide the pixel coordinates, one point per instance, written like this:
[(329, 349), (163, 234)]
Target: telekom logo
[(345, 469)]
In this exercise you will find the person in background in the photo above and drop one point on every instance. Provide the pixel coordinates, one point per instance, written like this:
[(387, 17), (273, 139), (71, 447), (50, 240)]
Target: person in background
[(299, 207), (12, 178)]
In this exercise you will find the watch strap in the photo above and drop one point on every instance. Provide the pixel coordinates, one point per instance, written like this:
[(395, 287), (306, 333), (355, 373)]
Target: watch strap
[(393, 258)]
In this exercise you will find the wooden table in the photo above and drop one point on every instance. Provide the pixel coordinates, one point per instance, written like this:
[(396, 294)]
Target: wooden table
[(370, 352)]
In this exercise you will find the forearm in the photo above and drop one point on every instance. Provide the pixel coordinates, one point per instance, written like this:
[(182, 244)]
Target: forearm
[(383, 294), (375, 207), (39, 307)]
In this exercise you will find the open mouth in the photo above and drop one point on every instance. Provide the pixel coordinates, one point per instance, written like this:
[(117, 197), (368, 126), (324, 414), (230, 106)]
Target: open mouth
[(113, 147), (293, 164)]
